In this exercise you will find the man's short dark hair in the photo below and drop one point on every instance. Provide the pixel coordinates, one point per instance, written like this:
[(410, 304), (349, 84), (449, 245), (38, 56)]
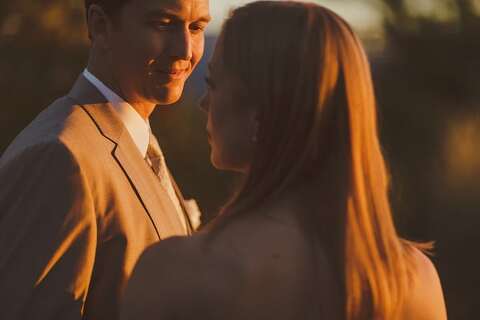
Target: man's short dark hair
[(111, 7)]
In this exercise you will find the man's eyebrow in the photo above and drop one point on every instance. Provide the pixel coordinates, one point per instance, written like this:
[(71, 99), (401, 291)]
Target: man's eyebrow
[(206, 18), (165, 13), (162, 13)]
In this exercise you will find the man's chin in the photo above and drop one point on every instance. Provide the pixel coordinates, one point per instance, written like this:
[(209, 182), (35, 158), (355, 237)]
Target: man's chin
[(167, 96)]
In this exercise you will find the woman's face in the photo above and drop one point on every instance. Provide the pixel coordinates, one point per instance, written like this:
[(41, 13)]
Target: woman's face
[(231, 118)]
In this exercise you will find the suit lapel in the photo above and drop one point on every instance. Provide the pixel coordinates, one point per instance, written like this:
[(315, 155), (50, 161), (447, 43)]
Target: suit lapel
[(158, 207)]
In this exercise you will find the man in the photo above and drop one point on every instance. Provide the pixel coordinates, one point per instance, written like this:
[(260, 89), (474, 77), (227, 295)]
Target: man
[(84, 188)]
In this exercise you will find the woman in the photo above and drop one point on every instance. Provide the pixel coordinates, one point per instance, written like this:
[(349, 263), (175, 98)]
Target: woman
[(309, 235)]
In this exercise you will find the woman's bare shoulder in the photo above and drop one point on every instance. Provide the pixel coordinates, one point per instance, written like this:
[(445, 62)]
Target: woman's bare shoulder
[(176, 278), (426, 301)]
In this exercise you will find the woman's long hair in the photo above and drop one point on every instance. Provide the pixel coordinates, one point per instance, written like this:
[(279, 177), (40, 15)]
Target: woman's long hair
[(309, 79)]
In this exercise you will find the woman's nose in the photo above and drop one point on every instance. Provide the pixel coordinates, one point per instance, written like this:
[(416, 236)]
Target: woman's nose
[(203, 105)]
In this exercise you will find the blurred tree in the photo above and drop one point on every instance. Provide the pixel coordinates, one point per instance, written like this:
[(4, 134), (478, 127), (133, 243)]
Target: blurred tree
[(43, 45), (429, 98)]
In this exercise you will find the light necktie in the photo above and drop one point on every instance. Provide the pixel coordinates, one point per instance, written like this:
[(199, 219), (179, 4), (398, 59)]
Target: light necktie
[(156, 160)]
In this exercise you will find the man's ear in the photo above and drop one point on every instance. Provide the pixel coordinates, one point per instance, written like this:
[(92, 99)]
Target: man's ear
[(98, 26)]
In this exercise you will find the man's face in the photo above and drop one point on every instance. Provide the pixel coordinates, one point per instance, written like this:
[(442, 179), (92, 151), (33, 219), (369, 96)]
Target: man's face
[(154, 47)]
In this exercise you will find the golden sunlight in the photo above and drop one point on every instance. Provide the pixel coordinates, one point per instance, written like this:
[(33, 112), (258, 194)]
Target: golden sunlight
[(462, 152), (440, 10)]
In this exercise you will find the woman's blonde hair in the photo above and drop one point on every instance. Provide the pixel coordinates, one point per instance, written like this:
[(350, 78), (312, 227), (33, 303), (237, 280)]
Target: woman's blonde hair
[(309, 79)]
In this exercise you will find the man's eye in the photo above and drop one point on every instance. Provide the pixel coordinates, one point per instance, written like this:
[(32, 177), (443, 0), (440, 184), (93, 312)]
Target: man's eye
[(197, 28)]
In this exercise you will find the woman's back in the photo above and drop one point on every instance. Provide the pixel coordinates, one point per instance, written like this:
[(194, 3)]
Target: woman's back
[(263, 266), (286, 270)]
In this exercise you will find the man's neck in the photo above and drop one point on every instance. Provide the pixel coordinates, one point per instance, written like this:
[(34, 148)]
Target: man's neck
[(144, 109)]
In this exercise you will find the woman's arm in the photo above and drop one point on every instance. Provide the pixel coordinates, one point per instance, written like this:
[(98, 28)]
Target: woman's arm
[(426, 300)]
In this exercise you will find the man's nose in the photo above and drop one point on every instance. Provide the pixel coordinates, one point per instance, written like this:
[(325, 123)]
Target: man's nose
[(181, 44)]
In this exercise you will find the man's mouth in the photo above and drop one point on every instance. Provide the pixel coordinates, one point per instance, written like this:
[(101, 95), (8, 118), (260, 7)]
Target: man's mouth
[(173, 74)]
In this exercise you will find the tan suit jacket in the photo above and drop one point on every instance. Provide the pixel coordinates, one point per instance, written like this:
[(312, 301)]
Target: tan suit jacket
[(78, 205)]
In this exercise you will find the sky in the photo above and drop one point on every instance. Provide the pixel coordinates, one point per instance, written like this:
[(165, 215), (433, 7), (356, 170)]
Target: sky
[(364, 15)]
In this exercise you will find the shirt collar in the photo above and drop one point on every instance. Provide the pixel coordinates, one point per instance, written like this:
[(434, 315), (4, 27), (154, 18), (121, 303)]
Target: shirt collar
[(137, 127)]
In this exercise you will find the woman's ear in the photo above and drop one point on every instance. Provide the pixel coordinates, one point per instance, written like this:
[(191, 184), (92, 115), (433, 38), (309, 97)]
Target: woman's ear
[(98, 26)]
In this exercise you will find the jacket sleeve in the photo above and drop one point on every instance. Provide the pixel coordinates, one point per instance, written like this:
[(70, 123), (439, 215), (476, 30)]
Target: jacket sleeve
[(47, 235)]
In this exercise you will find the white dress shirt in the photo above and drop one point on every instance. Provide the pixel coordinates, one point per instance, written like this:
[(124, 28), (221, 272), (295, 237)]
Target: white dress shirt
[(137, 127)]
